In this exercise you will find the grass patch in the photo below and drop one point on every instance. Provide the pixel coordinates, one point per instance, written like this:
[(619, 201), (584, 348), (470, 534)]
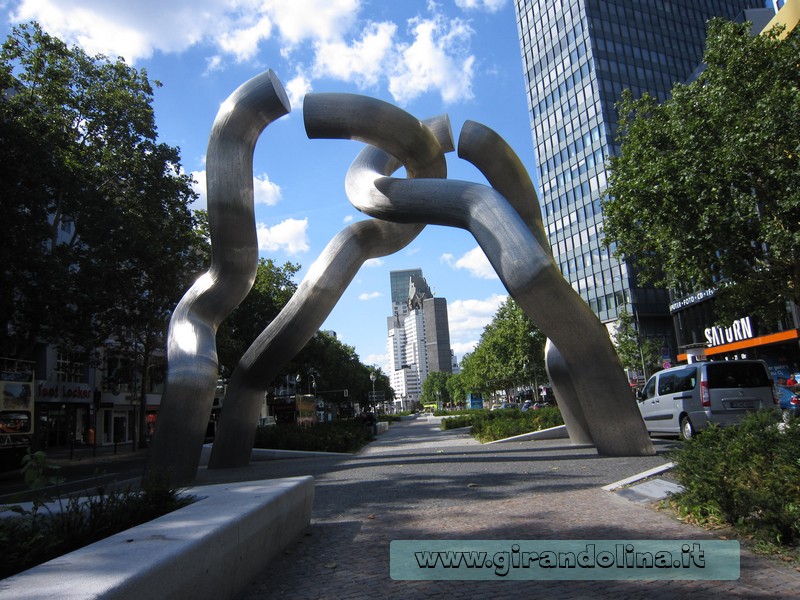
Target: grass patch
[(334, 436)]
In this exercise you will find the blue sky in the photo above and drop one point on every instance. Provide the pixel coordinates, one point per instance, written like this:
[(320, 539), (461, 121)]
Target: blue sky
[(459, 57)]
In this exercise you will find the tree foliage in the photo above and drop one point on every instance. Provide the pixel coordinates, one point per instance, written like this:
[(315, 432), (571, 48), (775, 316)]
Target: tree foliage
[(272, 289), (435, 388), (510, 352), (457, 389), (635, 352), (706, 190), (336, 366), (100, 236)]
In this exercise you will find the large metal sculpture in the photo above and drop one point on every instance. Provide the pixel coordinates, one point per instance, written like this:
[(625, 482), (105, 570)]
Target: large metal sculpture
[(504, 219)]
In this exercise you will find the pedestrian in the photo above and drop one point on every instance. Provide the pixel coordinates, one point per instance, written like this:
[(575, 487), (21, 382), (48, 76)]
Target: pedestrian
[(373, 421)]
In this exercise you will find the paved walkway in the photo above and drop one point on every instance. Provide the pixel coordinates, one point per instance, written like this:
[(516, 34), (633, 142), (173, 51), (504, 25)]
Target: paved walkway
[(417, 482)]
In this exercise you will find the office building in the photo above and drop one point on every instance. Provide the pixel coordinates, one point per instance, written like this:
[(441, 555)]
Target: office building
[(418, 335), (578, 56)]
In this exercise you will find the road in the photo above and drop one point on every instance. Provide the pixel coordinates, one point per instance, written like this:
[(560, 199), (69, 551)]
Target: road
[(85, 471)]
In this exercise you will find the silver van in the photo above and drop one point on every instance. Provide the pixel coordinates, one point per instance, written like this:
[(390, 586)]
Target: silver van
[(683, 400)]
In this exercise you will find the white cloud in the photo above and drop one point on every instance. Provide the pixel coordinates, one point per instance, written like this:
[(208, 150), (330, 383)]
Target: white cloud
[(432, 55), (373, 262), (213, 63), (436, 60), (199, 186), (382, 360), (265, 191), (300, 20), (462, 348), (468, 318), (348, 219), (491, 6), (296, 89), (474, 261), (361, 62), (243, 42), (133, 30), (369, 296), (290, 235)]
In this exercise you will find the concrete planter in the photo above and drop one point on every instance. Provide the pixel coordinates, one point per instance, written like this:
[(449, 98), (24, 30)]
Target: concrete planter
[(212, 548)]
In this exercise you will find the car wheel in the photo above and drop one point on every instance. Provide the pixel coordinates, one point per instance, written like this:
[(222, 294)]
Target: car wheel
[(687, 429)]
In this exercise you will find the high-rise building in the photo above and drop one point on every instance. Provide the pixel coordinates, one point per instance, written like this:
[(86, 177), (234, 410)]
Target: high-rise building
[(418, 335), (578, 56)]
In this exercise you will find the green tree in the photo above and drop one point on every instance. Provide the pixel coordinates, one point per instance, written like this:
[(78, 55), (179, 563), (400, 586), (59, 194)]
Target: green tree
[(457, 389), (434, 388), (102, 237), (510, 353), (272, 289), (336, 366), (636, 353), (705, 193)]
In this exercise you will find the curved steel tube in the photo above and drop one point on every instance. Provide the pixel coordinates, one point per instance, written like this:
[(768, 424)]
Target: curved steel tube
[(532, 278), (418, 146), (191, 345), (505, 172)]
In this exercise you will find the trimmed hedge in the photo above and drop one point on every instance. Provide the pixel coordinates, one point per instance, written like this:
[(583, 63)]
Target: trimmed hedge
[(488, 426)]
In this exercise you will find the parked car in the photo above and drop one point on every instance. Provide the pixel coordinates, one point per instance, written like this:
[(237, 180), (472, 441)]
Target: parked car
[(789, 398), (684, 400), (531, 405), (505, 405)]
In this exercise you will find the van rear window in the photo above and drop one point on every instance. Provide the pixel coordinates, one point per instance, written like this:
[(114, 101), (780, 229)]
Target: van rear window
[(737, 374), (679, 380)]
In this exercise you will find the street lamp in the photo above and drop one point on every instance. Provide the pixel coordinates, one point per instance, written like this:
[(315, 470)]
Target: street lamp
[(372, 378)]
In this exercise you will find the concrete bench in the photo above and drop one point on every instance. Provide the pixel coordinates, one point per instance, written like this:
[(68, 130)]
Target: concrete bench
[(211, 549)]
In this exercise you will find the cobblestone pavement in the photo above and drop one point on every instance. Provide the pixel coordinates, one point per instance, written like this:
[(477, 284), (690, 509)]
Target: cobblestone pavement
[(416, 482)]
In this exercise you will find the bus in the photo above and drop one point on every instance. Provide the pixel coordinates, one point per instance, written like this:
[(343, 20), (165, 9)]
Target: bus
[(474, 400), (16, 412), (300, 409)]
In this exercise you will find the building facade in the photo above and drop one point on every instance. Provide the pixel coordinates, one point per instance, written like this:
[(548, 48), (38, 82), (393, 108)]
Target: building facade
[(418, 336), (578, 56)]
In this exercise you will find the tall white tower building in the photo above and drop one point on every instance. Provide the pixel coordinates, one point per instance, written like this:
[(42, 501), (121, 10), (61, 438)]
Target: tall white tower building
[(418, 335)]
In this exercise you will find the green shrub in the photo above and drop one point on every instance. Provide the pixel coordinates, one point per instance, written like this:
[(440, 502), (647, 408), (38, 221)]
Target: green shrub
[(746, 475), (334, 436), (390, 418), (458, 422)]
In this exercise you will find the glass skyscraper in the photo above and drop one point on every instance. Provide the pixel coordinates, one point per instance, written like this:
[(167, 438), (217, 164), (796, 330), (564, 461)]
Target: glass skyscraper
[(578, 56)]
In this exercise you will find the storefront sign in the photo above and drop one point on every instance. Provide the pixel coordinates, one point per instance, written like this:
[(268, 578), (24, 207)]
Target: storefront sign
[(741, 329), (63, 392), (689, 300)]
